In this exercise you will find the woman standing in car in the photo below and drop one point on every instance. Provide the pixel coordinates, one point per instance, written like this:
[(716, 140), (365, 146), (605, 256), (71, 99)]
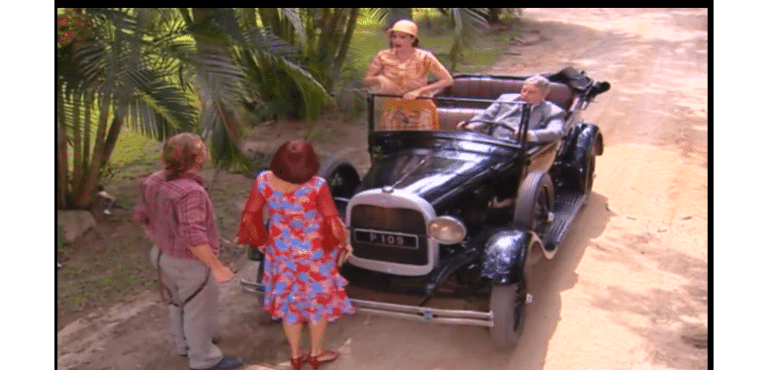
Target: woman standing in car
[(403, 70)]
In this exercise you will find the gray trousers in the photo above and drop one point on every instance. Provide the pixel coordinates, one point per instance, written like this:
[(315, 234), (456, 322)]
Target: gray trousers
[(194, 323)]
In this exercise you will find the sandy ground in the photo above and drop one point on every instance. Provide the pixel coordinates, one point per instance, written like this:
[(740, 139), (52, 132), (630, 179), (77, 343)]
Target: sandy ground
[(628, 288)]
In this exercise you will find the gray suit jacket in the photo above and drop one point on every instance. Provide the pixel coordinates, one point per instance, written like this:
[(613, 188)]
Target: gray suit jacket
[(546, 121)]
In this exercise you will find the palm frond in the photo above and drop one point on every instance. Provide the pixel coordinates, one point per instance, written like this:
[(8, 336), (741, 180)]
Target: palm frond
[(118, 19), (226, 20), (172, 109), (313, 94), (378, 13), (216, 27), (144, 116), (294, 17), (264, 40), (224, 152), (218, 77)]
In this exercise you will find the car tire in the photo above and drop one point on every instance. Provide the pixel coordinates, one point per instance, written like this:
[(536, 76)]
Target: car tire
[(535, 199), (587, 173), (342, 177), (508, 309)]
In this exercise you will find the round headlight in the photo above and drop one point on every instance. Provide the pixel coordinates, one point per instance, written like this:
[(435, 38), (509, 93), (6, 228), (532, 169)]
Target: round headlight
[(446, 230)]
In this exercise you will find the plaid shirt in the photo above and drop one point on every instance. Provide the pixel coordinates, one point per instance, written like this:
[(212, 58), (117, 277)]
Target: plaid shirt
[(178, 214)]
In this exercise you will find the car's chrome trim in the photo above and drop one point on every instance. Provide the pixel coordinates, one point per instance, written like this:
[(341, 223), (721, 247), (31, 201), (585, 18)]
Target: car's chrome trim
[(437, 315), (418, 313), (395, 198)]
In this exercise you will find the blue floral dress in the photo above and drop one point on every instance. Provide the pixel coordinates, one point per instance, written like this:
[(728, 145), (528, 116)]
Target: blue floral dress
[(302, 280)]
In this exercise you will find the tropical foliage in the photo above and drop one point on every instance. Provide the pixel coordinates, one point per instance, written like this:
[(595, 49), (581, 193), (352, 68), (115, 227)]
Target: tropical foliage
[(161, 71), (206, 70)]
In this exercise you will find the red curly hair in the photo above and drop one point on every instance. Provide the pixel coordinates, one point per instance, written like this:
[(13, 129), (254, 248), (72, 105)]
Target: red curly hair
[(295, 162)]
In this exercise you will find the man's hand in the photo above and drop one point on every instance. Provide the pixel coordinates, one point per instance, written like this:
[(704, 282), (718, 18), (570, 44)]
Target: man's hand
[(464, 125), (223, 274)]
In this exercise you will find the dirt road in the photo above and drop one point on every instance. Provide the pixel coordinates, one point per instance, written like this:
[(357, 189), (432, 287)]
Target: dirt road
[(628, 288)]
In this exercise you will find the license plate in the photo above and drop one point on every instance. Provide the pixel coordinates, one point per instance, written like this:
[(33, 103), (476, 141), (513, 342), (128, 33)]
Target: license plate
[(387, 238)]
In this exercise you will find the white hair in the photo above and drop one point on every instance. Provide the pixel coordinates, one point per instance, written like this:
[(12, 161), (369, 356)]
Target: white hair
[(541, 83)]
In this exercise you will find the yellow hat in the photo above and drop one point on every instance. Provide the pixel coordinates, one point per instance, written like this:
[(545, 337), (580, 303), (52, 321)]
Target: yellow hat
[(405, 26)]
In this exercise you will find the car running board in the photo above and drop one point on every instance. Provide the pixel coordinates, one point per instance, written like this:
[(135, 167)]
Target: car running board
[(566, 207)]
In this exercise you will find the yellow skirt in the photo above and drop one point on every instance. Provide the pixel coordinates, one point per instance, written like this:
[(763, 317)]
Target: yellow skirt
[(402, 114)]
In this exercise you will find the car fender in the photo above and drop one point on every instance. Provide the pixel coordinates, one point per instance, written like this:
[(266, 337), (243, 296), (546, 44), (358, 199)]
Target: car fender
[(505, 254), (570, 162), (587, 135)]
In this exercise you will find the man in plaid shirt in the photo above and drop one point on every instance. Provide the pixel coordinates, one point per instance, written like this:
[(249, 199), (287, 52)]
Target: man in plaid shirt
[(178, 217)]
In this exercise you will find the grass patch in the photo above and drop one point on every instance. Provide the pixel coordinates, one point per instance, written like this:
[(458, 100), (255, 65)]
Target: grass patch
[(134, 154), (97, 273), (110, 263)]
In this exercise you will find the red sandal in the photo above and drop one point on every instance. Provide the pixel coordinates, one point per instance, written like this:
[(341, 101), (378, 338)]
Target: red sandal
[(315, 361), (298, 362)]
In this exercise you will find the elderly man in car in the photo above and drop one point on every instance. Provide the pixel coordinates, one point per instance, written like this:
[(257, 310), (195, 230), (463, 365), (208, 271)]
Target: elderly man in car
[(502, 118)]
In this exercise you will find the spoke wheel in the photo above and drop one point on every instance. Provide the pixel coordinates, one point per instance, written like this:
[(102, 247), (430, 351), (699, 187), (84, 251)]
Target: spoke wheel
[(535, 200)]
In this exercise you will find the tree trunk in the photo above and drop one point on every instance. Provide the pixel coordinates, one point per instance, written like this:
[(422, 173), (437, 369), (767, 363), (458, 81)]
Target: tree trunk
[(61, 155), (84, 196), (78, 163), (344, 47), (268, 19), (111, 140), (86, 131), (493, 15), (327, 34), (230, 123)]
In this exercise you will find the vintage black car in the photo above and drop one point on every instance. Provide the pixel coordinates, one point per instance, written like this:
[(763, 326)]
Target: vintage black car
[(464, 206)]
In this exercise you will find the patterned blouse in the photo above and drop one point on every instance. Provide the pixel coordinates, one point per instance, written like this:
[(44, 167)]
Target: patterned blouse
[(408, 75)]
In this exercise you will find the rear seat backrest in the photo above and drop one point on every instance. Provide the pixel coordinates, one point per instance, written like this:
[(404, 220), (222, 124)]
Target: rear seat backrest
[(492, 88), (561, 95), (449, 117)]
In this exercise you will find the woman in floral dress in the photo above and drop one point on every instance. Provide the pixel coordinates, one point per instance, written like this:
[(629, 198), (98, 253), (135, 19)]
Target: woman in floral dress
[(403, 70), (302, 281)]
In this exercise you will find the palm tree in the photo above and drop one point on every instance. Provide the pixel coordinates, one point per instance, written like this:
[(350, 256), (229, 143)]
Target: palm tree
[(161, 71), (106, 78)]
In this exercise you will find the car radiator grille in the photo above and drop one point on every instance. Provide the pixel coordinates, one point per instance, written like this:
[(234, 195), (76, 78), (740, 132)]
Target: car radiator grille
[(396, 235)]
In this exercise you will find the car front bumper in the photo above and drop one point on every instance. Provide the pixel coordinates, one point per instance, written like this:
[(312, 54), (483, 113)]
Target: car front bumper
[(417, 313)]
